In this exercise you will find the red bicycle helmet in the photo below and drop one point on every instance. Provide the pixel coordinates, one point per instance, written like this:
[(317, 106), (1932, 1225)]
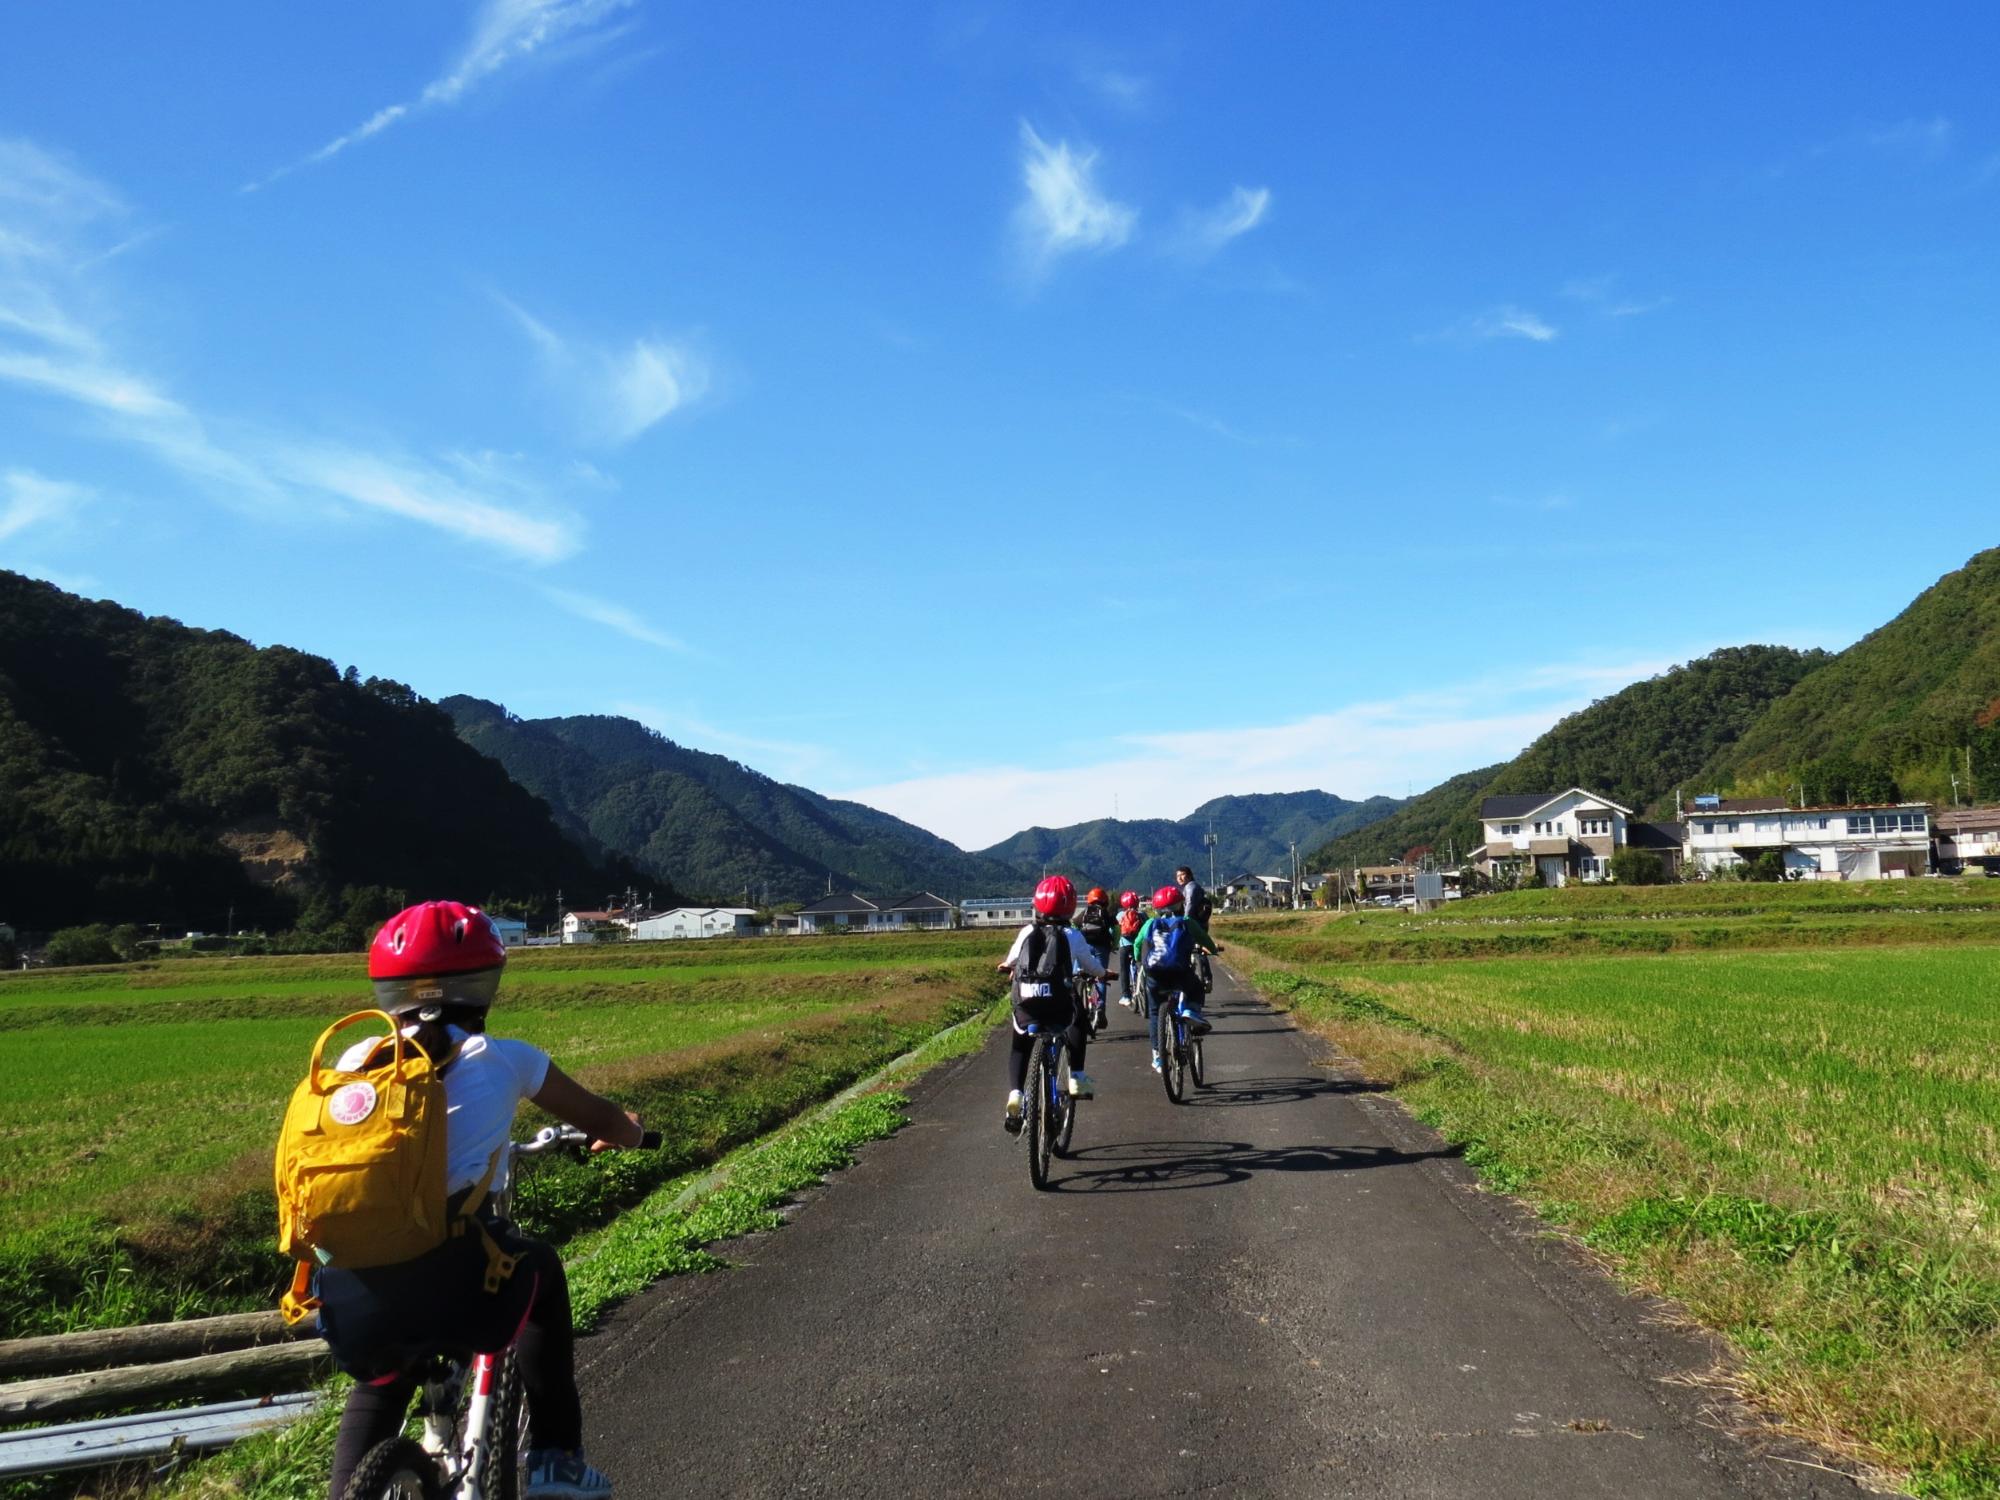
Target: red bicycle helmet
[(436, 954), (1167, 898), (1128, 900), (1097, 895), (1056, 897)]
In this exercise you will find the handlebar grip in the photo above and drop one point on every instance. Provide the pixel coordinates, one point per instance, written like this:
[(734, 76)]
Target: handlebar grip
[(650, 1141)]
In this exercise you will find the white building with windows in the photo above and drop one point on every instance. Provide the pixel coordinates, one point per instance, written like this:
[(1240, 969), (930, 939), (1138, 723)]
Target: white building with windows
[(696, 922), (1565, 836), (1869, 842), (997, 911)]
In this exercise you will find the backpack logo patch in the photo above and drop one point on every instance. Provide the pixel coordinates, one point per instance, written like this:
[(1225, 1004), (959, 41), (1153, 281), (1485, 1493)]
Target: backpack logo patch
[(352, 1103)]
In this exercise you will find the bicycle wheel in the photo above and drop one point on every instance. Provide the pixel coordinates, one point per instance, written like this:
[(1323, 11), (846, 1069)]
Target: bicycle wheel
[(1195, 1062), (1068, 1107), (1034, 1119), (1173, 1053), (396, 1470)]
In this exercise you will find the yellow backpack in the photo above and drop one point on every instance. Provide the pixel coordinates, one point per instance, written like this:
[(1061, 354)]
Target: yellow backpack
[(361, 1166)]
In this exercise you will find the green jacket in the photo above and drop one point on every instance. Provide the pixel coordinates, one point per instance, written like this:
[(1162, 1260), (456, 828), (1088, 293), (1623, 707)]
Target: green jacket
[(1195, 930)]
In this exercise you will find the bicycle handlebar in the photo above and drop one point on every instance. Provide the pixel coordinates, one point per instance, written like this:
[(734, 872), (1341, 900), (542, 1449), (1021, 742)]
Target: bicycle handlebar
[(549, 1137)]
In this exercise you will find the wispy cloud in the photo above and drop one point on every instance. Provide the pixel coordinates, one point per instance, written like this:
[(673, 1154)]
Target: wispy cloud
[(1204, 233), (785, 759), (613, 394), (1063, 210), (1384, 747), (1601, 293), (28, 499), (1510, 322), (54, 344), (1130, 92), (504, 33), (1922, 137), (612, 617)]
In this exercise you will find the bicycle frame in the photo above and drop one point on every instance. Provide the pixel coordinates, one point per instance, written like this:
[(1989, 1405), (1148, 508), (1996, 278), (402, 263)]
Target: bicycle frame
[(464, 1447)]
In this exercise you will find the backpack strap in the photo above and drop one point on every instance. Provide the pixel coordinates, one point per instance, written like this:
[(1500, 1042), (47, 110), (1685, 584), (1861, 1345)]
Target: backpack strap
[(499, 1264)]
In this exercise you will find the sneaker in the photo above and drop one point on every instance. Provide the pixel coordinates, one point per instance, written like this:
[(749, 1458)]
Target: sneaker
[(554, 1474), (1012, 1122), (1156, 1062), (1125, 1001), (1080, 1086)]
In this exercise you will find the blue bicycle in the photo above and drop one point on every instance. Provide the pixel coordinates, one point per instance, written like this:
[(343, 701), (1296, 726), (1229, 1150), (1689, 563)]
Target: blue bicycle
[(1180, 1052), (1048, 1113)]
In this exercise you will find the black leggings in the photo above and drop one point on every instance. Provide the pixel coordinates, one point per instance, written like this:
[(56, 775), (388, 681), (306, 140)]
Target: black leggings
[(1023, 1044), (546, 1351)]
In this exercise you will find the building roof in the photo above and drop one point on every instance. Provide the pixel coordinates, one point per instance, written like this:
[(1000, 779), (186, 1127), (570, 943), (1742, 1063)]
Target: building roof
[(1526, 804), (846, 901), (1385, 870), (997, 901), (1654, 835), (1958, 819), (591, 916), (1738, 805), (1729, 805), (922, 901)]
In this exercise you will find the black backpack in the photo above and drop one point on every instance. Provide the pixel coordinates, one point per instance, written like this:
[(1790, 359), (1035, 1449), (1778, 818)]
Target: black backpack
[(1199, 906), (1095, 925), (1045, 963)]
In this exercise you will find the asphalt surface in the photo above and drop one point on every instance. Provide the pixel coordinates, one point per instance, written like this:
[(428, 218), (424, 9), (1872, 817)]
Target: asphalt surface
[(1284, 1287)]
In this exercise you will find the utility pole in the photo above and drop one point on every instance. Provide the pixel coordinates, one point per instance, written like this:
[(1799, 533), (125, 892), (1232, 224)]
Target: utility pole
[(1210, 840), (1295, 874)]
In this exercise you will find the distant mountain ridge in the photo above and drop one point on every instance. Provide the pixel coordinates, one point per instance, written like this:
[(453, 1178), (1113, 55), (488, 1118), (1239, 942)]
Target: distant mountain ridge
[(154, 773), (1910, 711), (711, 825), (1252, 832)]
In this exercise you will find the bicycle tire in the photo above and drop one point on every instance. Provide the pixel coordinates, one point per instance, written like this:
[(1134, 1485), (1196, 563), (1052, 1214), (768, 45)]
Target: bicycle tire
[(1034, 1127), (1196, 1070), (1068, 1130), (1170, 1061), (396, 1470), (507, 1433)]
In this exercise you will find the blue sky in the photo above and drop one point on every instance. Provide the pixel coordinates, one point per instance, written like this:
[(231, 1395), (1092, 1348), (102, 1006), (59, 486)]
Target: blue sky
[(1006, 413)]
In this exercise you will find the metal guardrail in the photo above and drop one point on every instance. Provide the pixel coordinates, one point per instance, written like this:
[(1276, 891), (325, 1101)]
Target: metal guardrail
[(148, 1435)]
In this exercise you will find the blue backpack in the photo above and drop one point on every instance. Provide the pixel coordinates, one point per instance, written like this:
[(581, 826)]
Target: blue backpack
[(1169, 945)]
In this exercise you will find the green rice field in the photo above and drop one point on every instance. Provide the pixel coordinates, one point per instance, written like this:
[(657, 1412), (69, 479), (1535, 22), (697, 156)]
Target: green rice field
[(1779, 1105), (135, 1137)]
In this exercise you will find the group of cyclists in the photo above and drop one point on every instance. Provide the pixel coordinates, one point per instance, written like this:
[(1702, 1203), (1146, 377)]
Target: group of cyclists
[(1161, 944), (435, 970)]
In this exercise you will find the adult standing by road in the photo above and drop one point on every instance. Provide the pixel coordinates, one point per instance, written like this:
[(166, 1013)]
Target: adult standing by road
[(1195, 904)]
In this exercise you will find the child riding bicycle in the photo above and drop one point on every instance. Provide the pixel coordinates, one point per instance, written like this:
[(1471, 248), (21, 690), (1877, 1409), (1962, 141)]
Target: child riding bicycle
[(436, 968), (1046, 955), (1167, 946), (1100, 936)]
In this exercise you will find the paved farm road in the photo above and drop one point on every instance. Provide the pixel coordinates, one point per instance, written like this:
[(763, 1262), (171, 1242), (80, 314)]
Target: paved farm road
[(1280, 1288)]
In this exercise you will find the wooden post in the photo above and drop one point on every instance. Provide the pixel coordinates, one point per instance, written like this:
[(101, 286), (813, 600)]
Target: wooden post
[(104, 1348), (245, 1372)]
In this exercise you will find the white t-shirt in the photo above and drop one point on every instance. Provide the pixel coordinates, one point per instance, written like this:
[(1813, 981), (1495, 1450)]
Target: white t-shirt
[(483, 1088)]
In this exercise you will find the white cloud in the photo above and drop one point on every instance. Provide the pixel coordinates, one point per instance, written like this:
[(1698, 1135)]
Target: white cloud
[(27, 499), (613, 394), (1126, 91), (787, 760), (1511, 322), (504, 32), (1064, 210), (53, 344), (1381, 748), (1243, 210), (612, 617)]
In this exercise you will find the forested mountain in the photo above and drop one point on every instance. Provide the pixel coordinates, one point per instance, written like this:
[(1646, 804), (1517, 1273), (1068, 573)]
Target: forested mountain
[(1635, 746), (153, 773), (711, 825), (1892, 715), (1252, 834)]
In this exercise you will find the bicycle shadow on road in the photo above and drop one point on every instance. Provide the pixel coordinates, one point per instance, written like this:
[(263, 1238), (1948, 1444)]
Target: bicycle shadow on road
[(1177, 1166), (1244, 1092)]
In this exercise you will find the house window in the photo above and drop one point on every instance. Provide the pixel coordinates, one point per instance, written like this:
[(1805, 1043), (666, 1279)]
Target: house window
[(1730, 826), (1594, 825), (1860, 823)]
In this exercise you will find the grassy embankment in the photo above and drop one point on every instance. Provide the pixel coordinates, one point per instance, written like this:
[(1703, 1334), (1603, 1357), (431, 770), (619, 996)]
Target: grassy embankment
[(143, 1100), (1778, 1105)]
